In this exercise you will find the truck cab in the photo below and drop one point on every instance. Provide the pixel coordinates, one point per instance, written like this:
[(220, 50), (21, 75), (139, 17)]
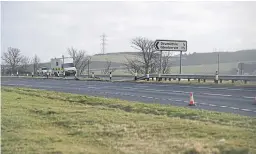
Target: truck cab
[(43, 71), (60, 69), (69, 69)]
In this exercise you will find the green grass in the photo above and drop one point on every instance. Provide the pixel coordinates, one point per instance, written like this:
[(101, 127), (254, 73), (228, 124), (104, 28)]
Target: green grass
[(37, 121), (205, 69), (225, 68), (118, 57)]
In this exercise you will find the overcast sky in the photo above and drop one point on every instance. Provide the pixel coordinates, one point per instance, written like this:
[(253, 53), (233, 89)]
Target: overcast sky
[(49, 28)]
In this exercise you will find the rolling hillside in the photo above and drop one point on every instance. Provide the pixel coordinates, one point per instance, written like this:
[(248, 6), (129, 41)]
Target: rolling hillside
[(196, 63)]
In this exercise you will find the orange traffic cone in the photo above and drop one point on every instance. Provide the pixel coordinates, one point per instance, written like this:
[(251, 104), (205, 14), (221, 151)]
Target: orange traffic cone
[(191, 102)]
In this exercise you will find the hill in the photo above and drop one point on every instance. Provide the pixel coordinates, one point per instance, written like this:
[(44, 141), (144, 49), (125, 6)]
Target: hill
[(195, 63)]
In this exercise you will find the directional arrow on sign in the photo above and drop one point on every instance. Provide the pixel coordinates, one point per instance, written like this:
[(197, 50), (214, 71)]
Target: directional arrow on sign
[(156, 45)]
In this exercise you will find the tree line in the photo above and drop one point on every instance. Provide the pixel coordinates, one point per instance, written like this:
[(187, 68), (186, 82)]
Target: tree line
[(147, 61)]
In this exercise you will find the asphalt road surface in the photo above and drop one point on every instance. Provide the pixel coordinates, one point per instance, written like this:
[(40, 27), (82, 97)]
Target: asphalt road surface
[(239, 100)]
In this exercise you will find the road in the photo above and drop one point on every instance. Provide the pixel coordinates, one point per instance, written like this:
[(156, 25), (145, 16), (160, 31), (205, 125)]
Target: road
[(239, 100)]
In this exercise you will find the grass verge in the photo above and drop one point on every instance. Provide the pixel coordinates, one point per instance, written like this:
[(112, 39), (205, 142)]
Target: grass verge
[(37, 121)]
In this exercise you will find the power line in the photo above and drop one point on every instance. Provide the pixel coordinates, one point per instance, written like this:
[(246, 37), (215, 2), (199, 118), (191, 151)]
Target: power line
[(103, 43)]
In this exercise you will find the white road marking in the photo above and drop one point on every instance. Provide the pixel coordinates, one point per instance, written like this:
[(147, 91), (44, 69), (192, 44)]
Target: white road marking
[(212, 105), (242, 89), (201, 87), (169, 99), (91, 87), (246, 110), (202, 103), (218, 88), (150, 97), (234, 108), (142, 86), (178, 91), (178, 100), (217, 94), (163, 99), (185, 86), (249, 97), (156, 98), (223, 106)]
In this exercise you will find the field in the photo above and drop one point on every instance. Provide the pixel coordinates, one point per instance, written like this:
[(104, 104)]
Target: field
[(117, 57), (37, 121), (225, 68)]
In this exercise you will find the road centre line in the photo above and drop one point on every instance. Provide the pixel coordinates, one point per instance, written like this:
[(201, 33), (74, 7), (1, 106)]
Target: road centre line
[(217, 94), (249, 97), (246, 110)]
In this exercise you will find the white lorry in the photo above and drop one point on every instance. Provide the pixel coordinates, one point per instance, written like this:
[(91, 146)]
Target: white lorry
[(58, 68), (43, 71)]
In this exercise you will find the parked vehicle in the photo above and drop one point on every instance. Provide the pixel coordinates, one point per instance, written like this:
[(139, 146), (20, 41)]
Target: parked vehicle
[(43, 71), (58, 68)]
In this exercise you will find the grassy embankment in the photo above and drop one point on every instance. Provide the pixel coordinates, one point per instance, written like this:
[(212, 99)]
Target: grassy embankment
[(36, 121)]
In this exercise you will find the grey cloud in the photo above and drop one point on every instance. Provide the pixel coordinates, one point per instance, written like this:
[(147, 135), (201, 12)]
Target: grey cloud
[(48, 28)]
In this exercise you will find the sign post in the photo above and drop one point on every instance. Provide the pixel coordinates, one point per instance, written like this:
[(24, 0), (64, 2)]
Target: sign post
[(161, 54), (180, 60), (171, 45)]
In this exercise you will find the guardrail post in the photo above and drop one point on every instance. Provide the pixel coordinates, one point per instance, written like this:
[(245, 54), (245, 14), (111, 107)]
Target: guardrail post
[(165, 79), (198, 80), (216, 77), (93, 75), (233, 81), (147, 77), (220, 80), (204, 80), (170, 79), (110, 75), (135, 77), (245, 81), (188, 79), (179, 79)]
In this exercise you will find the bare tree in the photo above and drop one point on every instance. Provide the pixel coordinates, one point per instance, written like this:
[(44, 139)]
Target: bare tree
[(166, 65), (166, 62), (108, 68), (35, 61), (80, 59), (133, 66), (24, 64), (14, 58), (145, 63)]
